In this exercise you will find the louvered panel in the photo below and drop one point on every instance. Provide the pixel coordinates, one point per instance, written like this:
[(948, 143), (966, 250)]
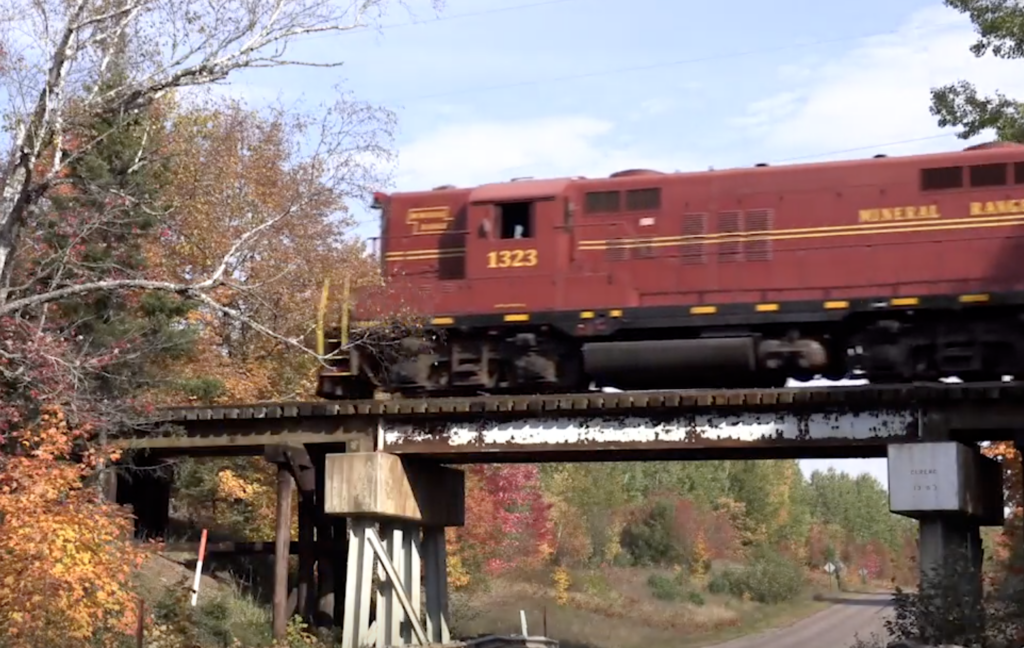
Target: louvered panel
[(758, 247), (729, 250), (693, 249)]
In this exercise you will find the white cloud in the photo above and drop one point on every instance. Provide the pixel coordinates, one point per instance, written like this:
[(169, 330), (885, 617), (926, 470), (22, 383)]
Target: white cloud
[(652, 108), (468, 154), (879, 91)]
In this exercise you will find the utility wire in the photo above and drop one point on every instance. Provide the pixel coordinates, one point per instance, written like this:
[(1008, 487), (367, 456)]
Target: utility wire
[(362, 221), (441, 18), (868, 148), (649, 66)]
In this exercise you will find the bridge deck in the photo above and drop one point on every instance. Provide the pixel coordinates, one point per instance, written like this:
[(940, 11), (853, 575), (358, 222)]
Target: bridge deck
[(818, 421)]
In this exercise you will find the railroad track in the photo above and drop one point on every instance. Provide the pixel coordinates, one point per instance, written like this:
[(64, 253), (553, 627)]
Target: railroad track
[(845, 397)]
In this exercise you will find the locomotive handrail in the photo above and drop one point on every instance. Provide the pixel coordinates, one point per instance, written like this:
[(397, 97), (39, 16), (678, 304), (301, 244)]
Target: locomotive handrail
[(321, 316)]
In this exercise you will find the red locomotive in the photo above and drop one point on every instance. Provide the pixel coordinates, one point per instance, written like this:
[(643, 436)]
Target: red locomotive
[(891, 268)]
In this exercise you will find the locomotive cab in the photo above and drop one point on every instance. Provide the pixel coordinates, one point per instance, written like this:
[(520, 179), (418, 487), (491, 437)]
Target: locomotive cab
[(517, 230)]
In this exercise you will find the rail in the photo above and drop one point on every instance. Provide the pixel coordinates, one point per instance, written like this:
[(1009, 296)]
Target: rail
[(817, 398), (801, 422)]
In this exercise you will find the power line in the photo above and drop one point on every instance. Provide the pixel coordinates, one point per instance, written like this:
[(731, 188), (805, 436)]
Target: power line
[(443, 18), (360, 222), (649, 66), (868, 148)]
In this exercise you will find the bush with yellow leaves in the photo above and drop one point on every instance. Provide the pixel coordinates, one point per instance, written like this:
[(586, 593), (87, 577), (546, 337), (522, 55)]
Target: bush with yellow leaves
[(562, 581), (66, 555)]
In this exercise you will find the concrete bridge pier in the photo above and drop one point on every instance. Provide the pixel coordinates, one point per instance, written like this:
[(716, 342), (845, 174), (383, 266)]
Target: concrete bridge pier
[(952, 490), (396, 576)]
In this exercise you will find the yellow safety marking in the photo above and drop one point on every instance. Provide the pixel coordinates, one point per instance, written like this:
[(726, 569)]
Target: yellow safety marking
[(806, 232), (321, 313), (904, 301), (346, 306), (866, 229), (703, 310), (442, 320), (766, 308), (424, 255), (615, 313), (517, 317), (587, 315), (835, 305), (974, 299)]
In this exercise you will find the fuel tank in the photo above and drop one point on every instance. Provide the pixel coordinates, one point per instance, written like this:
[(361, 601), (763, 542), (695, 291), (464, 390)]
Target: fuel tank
[(670, 364)]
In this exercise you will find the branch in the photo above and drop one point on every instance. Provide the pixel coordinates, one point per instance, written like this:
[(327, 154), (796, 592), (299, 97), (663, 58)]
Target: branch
[(238, 316), (217, 278), (58, 294)]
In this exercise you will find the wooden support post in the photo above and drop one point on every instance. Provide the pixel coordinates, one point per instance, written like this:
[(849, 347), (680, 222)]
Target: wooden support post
[(293, 468), (339, 563), (306, 594), (325, 597), (436, 573), (394, 562), (282, 543), (412, 502)]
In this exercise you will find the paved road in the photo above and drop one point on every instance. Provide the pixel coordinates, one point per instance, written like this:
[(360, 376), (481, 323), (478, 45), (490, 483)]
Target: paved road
[(835, 627)]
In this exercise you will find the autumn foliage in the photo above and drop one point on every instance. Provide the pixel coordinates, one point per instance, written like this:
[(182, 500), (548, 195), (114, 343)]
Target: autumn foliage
[(507, 523), (66, 557), (164, 196)]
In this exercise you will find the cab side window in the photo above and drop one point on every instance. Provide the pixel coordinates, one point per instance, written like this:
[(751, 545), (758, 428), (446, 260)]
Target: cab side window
[(515, 220)]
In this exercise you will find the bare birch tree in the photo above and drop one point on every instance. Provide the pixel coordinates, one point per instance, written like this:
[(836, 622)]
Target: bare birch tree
[(58, 60)]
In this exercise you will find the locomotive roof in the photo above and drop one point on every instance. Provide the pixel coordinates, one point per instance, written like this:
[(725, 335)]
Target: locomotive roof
[(524, 188)]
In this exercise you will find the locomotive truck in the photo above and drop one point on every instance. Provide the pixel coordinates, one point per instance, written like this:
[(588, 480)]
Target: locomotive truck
[(894, 269)]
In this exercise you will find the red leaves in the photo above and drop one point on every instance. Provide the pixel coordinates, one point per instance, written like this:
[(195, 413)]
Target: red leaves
[(507, 519), (713, 528)]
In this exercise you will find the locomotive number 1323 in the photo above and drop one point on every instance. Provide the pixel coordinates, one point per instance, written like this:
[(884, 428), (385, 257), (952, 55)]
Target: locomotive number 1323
[(512, 259)]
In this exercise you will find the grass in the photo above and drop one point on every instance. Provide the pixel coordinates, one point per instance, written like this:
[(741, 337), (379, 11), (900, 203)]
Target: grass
[(223, 601), (616, 608), (606, 608)]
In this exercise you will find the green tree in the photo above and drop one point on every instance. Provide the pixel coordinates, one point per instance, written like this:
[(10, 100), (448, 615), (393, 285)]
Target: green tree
[(1000, 28), (104, 225), (774, 505), (859, 506)]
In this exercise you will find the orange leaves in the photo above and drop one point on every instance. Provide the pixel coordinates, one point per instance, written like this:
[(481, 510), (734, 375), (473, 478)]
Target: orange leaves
[(66, 557), (231, 486), (235, 170), (1010, 458)]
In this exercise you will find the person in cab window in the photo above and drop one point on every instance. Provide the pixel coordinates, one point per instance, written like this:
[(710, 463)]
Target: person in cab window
[(517, 232)]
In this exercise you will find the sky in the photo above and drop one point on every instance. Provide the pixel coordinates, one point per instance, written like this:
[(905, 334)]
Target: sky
[(496, 89)]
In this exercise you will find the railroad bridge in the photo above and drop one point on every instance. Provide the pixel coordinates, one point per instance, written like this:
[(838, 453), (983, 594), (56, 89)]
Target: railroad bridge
[(377, 484)]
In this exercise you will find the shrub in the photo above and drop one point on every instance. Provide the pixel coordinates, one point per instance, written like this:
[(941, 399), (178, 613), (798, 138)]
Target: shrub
[(595, 583), (696, 598), (719, 583), (664, 588), (649, 540), (175, 617), (769, 578), (950, 607)]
